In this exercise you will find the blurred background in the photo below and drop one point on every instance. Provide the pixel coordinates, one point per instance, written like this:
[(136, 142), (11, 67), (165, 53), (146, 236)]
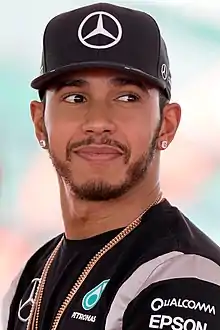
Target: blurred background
[(29, 200)]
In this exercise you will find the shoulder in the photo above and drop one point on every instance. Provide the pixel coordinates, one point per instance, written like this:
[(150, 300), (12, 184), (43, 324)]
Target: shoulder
[(178, 232), (25, 276), (168, 229), (45, 249)]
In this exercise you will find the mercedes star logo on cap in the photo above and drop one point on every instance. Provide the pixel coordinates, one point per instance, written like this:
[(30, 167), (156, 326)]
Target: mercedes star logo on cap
[(164, 71), (100, 29)]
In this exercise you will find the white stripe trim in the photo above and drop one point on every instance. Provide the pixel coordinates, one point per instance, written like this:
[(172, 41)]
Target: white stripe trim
[(7, 300), (168, 266)]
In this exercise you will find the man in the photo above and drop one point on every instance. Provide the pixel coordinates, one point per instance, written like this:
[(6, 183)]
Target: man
[(127, 259)]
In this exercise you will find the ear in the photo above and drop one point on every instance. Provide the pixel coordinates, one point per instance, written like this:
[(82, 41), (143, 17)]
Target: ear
[(37, 115), (170, 122)]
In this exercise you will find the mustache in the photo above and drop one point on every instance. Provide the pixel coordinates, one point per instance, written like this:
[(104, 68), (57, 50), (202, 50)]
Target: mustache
[(92, 140)]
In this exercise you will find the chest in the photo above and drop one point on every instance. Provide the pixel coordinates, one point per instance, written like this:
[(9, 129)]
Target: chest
[(84, 306)]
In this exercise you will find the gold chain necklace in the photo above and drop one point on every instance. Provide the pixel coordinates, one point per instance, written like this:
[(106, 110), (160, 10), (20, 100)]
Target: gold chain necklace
[(33, 321)]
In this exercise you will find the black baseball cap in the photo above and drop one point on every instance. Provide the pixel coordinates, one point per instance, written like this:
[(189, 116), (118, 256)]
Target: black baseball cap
[(103, 35)]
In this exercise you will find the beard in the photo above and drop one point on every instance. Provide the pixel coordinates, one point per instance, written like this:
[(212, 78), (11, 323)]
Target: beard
[(100, 190)]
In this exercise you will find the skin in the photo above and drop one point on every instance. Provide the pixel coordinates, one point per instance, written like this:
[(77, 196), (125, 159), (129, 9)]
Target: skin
[(103, 131)]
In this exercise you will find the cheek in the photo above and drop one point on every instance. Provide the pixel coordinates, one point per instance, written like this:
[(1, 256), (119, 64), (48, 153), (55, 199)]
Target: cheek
[(138, 137), (59, 131)]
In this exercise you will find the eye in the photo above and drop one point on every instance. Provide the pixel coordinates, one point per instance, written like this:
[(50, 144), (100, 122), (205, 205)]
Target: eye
[(74, 98), (129, 97)]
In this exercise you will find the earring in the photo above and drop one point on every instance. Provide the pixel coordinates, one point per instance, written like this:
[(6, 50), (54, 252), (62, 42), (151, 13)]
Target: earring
[(164, 144), (42, 143)]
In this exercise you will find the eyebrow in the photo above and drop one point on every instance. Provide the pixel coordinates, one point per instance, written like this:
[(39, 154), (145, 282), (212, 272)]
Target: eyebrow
[(70, 83), (124, 81), (116, 81)]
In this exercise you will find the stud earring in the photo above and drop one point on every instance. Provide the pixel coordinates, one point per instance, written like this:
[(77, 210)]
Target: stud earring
[(164, 144), (42, 143)]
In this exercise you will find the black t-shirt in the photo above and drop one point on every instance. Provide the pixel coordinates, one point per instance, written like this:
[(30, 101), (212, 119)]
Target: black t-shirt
[(164, 275)]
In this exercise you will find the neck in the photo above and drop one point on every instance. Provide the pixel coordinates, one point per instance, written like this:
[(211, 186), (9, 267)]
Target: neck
[(83, 219)]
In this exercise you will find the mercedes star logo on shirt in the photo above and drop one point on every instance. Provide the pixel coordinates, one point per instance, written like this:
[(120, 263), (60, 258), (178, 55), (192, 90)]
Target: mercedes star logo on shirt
[(23, 313), (100, 29)]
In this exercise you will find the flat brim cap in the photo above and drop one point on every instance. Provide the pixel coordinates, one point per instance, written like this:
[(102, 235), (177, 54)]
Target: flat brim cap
[(104, 36)]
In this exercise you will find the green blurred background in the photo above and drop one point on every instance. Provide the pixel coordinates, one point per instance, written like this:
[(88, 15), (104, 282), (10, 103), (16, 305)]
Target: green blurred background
[(29, 201)]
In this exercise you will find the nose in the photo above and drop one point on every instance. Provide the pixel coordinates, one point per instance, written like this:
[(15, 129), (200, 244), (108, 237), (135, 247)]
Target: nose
[(98, 121)]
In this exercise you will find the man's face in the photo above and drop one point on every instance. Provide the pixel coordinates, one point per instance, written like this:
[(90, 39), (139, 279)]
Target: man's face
[(101, 129)]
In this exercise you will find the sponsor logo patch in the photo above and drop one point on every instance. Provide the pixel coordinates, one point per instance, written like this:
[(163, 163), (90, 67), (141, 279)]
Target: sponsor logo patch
[(175, 323), (159, 303), (83, 317)]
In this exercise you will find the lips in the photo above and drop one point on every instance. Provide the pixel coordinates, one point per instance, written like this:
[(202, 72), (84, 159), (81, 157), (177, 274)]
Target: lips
[(101, 153)]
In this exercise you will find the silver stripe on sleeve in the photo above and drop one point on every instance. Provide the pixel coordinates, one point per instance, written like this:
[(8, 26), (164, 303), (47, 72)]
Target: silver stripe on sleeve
[(7, 300)]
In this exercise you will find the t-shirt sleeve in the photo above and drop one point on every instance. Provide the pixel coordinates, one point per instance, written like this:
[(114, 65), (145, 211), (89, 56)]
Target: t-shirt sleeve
[(177, 304), (175, 291), (181, 294)]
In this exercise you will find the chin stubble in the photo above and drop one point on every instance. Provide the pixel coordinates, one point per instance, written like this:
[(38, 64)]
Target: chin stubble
[(100, 190)]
